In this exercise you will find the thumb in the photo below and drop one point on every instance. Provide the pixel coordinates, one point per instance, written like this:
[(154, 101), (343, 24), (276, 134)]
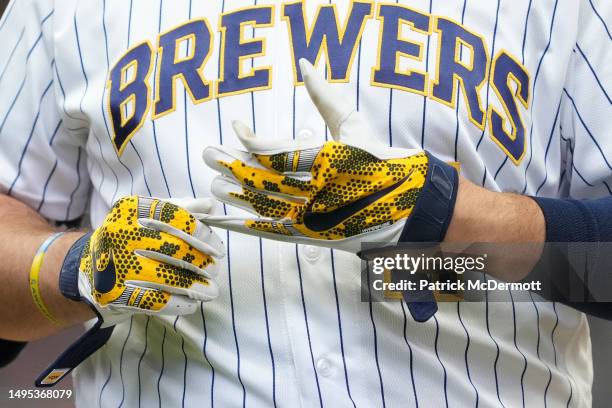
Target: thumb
[(337, 110)]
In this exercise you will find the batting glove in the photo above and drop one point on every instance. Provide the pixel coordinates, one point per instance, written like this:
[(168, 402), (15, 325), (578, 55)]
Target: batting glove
[(148, 256), (339, 194)]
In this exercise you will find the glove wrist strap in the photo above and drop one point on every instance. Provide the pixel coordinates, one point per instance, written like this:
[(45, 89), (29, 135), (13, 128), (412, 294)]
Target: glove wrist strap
[(433, 211), (89, 342), (69, 274)]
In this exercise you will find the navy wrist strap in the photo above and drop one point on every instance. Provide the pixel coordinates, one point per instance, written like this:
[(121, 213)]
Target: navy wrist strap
[(69, 274), (433, 210), (89, 342), (429, 222)]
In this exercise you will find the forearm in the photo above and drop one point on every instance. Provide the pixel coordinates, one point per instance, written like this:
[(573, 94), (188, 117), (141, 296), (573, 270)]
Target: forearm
[(483, 216), (22, 231)]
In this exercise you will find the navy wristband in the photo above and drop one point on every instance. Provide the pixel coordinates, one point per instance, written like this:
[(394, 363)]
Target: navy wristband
[(69, 274), (433, 210)]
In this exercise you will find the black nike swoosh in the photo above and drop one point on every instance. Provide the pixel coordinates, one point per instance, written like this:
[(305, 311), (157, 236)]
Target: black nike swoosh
[(323, 221), (104, 280)]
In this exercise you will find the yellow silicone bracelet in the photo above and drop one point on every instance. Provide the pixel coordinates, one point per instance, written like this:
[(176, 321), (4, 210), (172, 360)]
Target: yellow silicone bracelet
[(34, 277)]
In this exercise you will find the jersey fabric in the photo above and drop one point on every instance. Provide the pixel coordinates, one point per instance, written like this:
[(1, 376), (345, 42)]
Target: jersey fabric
[(106, 98)]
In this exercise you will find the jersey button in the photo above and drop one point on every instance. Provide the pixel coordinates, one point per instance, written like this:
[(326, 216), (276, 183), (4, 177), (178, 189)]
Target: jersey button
[(324, 367), (304, 134), (311, 253)]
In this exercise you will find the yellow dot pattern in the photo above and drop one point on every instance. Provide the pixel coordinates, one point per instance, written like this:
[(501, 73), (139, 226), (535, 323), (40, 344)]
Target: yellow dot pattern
[(121, 234), (341, 174)]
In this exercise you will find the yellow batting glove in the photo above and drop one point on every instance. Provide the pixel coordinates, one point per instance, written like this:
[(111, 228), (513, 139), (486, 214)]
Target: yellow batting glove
[(149, 256), (336, 194)]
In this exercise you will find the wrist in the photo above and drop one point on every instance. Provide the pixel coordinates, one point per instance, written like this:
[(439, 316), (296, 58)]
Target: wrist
[(66, 310), (482, 215)]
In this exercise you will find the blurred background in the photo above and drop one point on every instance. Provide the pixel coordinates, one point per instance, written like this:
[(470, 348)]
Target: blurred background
[(37, 355)]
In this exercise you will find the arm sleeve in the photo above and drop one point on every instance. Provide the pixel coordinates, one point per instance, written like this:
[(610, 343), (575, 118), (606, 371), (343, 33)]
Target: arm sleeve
[(586, 104), (586, 109), (43, 163)]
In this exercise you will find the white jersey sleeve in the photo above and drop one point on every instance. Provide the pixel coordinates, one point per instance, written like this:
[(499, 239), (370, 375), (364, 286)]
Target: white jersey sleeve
[(43, 160), (586, 107)]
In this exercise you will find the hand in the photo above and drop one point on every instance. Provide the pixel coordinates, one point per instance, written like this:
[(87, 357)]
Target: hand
[(150, 256), (337, 194)]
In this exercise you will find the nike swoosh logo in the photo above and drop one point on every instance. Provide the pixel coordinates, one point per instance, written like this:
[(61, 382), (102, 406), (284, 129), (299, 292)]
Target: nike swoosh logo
[(104, 280), (323, 221)]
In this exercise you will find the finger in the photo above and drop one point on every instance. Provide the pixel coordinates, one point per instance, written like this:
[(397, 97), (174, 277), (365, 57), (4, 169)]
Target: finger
[(343, 120), (266, 180), (262, 227), (179, 238), (209, 271), (333, 106), (155, 301), (174, 280), (256, 202), (197, 292), (168, 212), (195, 206), (278, 230), (216, 156), (258, 145)]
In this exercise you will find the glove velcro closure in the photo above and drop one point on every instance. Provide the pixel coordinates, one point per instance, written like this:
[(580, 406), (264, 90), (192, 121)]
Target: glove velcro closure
[(433, 210), (74, 355), (429, 222), (89, 342)]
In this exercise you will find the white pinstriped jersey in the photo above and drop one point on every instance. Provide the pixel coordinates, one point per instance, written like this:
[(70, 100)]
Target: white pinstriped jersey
[(77, 127)]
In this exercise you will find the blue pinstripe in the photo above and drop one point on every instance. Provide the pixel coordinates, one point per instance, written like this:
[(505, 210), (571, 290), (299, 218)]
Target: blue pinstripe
[(144, 174), (552, 24), (525, 32), (187, 130), (263, 293), (552, 132), (78, 171), (261, 263), (467, 347), (110, 372), (76, 32), (425, 97), (29, 140), (552, 339), (229, 268), (496, 347), (44, 192), (29, 54), (375, 338), (459, 89), (184, 359), (212, 368), (10, 57), (314, 368), (121, 362), (489, 76), (440, 360), (161, 166), (404, 332), (594, 73), (518, 349), (523, 62), (601, 19), (161, 371), (346, 380), (587, 128), (42, 200), (144, 351)]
